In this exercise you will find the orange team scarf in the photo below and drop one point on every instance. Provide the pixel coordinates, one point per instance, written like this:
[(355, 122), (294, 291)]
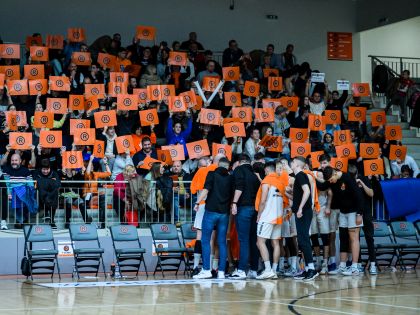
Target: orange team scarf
[(273, 180), (314, 191), (199, 179)]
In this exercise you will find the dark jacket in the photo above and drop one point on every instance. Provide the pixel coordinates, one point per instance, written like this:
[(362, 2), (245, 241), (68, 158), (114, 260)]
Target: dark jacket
[(140, 156), (219, 184), (48, 187), (246, 181)]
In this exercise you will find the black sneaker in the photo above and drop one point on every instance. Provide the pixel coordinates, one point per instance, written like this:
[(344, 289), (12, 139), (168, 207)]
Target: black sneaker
[(196, 271), (214, 273), (311, 274), (301, 276)]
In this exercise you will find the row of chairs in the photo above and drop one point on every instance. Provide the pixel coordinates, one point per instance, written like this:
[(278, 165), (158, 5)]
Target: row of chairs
[(396, 244), (42, 254)]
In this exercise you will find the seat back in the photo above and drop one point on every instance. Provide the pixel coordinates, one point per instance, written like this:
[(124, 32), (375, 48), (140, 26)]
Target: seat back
[(124, 233), (83, 232), (164, 232), (382, 233), (188, 232), (404, 232), (38, 233), (418, 226)]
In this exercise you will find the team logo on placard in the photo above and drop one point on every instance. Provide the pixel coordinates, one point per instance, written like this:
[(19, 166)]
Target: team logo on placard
[(106, 60), (299, 135), (146, 33), (150, 117), (127, 102), (233, 98), (210, 116), (398, 152), (393, 132), (155, 92), (276, 83), (105, 119), (178, 58), (317, 122), (289, 103), (143, 96), (342, 138), (56, 105), (264, 115), (373, 167), (17, 87), (234, 129), (173, 152), (357, 113), (76, 35), (76, 102), (361, 89), (39, 53), (99, 148), (379, 118), (72, 159), (94, 91), (117, 89), (44, 120), (333, 116), (81, 58), (9, 51), (221, 151), (164, 228), (38, 86), (187, 99), (370, 150), (34, 72), (50, 138), (9, 73), (178, 104), (339, 165), (198, 148), (231, 73), (252, 89), (346, 152), (166, 92), (20, 140), (242, 114), (84, 136), (126, 143), (301, 150), (59, 83)]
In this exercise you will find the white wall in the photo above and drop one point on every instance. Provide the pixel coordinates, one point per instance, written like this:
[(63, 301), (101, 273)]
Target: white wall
[(302, 22), (400, 39)]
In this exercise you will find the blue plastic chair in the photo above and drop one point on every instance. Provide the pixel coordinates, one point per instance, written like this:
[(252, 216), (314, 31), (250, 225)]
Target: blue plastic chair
[(406, 236)]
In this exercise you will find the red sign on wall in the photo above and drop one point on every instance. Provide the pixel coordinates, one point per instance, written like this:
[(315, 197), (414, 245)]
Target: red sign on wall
[(340, 46)]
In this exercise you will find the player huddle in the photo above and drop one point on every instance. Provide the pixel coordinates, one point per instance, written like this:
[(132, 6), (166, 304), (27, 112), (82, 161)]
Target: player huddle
[(279, 212)]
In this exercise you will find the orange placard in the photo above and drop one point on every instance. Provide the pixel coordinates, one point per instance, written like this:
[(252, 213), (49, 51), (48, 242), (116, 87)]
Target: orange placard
[(95, 90), (33, 41), (21, 120), (332, 117), (55, 41), (271, 102), (105, 118), (210, 116), (378, 118), (76, 102), (277, 145), (340, 164), (168, 90), (81, 58), (10, 72), (43, 120), (315, 122), (290, 102), (315, 159), (39, 53), (59, 83), (198, 149), (127, 102), (76, 35), (271, 72), (124, 144), (210, 83), (232, 98), (91, 103), (267, 141), (189, 98), (118, 77), (85, 136), (99, 149), (342, 137), (2, 79), (373, 167), (20, 140), (141, 94), (300, 149), (154, 93), (164, 156), (9, 51), (107, 61), (264, 114), (18, 87), (234, 130), (369, 150), (145, 32), (275, 83), (149, 117), (357, 113), (177, 58), (51, 139), (397, 152), (199, 102), (11, 120), (78, 124), (243, 113), (252, 89), (176, 104), (231, 73), (38, 86), (34, 72), (57, 105), (133, 70), (116, 88), (72, 159), (360, 89), (229, 120), (224, 149), (176, 151), (148, 163), (346, 150), (393, 132), (299, 135)]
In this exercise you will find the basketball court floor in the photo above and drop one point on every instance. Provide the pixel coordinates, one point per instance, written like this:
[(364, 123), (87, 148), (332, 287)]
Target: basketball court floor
[(393, 293)]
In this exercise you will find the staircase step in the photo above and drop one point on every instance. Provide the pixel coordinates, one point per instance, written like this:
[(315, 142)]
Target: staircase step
[(404, 125), (389, 118), (411, 141), (409, 133)]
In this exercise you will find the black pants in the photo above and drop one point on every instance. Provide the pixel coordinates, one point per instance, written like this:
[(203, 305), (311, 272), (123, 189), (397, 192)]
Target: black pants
[(398, 100), (303, 225), (369, 230)]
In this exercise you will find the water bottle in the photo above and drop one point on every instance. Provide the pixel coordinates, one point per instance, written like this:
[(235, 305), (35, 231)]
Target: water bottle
[(117, 272), (74, 274)]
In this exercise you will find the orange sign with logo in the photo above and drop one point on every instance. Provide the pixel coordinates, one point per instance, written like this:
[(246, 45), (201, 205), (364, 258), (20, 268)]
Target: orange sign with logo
[(346, 150), (210, 116), (127, 102), (373, 167), (357, 113), (72, 159), (378, 118), (118, 77), (252, 89), (231, 73), (360, 89), (18, 87), (78, 124), (57, 105), (340, 164), (55, 41), (105, 118), (20, 140), (145, 32), (315, 159), (81, 58), (107, 61), (198, 149), (275, 83), (176, 152), (84, 136), (210, 83), (299, 135), (38, 53), (189, 98), (369, 150), (177, 58), (149, 117), (99, 149), (290, 102), (224, 149), (397, 152), (51, 138), (176, 104), (232, 98), (34, 72), (277, 145), (332, 117), (38, 86), (234, 129), (243, 113), (264, 114), (342, 137), (315, 122), (393, 132), (142, 95), (76, 35), (43, 120), (59, 83), (300, 149), (10, 72), (76, 102), (95, 90), (124, 144), (9, 51), (91, 103)]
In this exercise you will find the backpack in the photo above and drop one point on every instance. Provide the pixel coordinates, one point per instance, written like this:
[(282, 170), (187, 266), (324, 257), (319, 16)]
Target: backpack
[(380, 79)]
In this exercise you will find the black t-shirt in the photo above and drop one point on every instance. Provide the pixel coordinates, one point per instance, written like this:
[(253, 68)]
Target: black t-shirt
[(367, 201), (220, 186), (301, 179), (347, 195)]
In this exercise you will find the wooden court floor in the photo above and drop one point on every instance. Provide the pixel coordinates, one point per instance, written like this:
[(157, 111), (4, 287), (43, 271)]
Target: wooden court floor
[(388, 293)]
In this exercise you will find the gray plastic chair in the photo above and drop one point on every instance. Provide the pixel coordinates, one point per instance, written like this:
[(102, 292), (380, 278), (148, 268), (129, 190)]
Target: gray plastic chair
[(386, 248), (405, 235), (189, 233)]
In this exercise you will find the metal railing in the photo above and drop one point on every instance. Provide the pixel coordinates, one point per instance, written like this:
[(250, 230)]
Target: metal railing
[(397, 65)]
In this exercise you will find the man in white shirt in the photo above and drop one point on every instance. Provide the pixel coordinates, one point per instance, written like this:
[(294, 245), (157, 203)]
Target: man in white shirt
[(409, 161), (252, 144)]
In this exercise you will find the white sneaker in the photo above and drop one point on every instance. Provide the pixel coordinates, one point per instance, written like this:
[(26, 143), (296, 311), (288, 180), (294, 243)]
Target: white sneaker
[(373, 270), (291, 272), (252, 274), (266, 274), (275, 274), (337, 271), (204, 274), (221, 275), (238, 275), (324, 270), (351, 271), (3, 225)]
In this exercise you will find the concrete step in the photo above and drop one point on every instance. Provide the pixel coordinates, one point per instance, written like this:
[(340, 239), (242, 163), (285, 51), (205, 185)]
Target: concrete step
[(405, 125), (409, 133), (411, 141), (389, 118)]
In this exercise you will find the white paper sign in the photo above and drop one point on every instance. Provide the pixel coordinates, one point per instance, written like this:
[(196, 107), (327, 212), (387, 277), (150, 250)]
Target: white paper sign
[(317, 77), (64, 248), (159, 244), (343, 85)]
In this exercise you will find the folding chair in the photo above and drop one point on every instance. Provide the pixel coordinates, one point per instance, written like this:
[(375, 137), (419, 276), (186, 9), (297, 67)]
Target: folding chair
[(386, 248), (405, 235), (167, 256), (189, 235), (36, 235), (86, 259), (129, 257)]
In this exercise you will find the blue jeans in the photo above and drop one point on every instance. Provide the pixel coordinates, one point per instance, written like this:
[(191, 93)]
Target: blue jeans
[(219, 221), (246, 226)]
